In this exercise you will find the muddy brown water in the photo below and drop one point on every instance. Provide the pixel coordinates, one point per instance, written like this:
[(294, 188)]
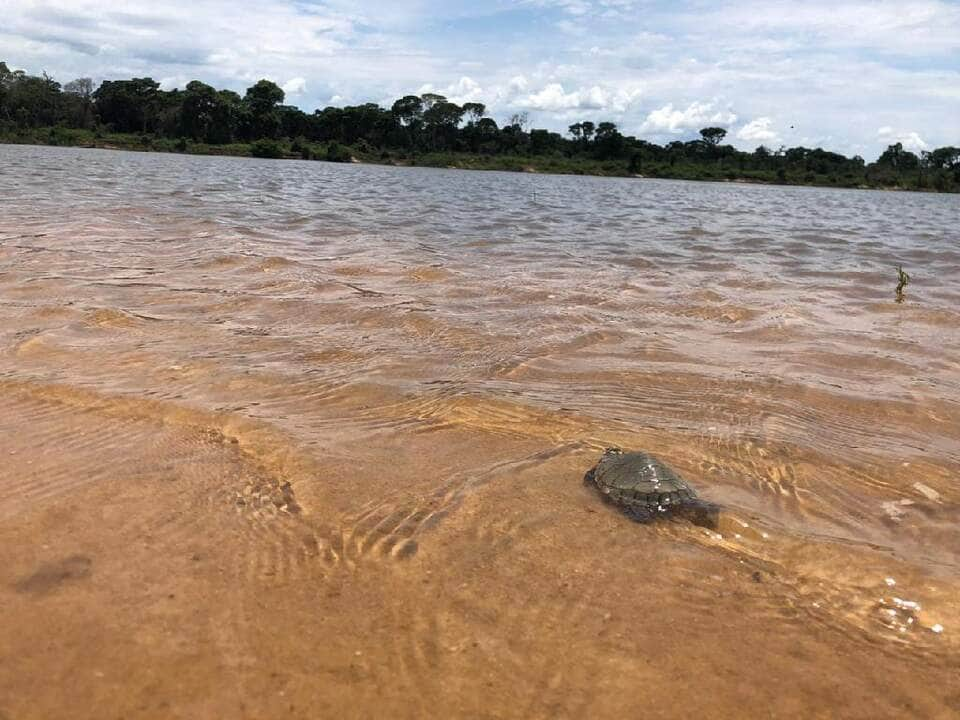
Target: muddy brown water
[(284, 439)]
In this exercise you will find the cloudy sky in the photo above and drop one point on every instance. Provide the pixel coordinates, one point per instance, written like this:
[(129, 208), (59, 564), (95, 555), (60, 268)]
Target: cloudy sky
[(848, 75)]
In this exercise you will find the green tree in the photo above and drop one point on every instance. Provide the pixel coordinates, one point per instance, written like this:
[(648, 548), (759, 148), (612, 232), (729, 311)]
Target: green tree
[(713, 136), (608, 142), (262, 100), (945, 158), (520, 121), (29, 100), (78, 108), (441, 120), (198, 111), (474, 111), (227, 116), (898, 159), (408, 112), (6, 79), (202, 113), (431, 99), (293, 121), (408, 109), (368, 122), (482, 136), (762, 156), (128, 105), (488, 126), (543, 142)]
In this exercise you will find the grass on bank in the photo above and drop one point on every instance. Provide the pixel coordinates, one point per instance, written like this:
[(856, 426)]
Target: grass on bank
[(558, 164)]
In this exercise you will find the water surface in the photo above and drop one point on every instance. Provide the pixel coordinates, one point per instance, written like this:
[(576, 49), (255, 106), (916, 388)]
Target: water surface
[(304, 438)]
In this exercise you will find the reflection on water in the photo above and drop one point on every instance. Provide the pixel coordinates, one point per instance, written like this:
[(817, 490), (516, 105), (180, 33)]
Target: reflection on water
[(322, 429)]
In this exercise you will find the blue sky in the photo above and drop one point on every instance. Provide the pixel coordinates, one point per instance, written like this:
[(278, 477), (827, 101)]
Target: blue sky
[(848, 75)]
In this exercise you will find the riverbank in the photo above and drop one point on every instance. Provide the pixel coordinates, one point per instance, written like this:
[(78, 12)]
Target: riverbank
[(546, 164)]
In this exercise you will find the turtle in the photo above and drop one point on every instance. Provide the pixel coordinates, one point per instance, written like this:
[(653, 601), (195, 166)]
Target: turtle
[(646, 489)]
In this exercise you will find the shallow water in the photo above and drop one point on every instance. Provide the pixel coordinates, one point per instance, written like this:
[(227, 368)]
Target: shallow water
[(303, 438)]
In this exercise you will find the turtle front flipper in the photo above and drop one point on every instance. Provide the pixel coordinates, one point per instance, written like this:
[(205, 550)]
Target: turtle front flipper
[(639, 514), (700, 512)]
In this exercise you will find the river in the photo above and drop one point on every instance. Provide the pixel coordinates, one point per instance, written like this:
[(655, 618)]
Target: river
[(306, 439)]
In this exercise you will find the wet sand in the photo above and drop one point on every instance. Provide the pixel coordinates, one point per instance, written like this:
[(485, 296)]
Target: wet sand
[(313, 445)]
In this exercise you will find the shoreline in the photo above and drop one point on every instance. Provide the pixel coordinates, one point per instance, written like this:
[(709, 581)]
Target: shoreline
[(533, 165)]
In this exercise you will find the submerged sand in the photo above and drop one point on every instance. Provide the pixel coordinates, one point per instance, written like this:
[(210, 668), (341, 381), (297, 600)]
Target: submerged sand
[(252, 469)]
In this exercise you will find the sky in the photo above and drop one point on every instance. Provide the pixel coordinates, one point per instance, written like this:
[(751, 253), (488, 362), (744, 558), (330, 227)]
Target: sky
[(853, 76)]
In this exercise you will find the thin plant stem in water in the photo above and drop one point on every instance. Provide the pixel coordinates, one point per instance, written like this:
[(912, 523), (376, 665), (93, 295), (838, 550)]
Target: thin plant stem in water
[(903, 279)]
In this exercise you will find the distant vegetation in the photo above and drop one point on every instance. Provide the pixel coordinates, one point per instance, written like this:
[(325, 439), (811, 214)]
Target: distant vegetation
[(417, 130)]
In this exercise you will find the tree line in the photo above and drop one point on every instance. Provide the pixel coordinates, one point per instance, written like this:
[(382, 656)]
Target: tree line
[(427, 128)]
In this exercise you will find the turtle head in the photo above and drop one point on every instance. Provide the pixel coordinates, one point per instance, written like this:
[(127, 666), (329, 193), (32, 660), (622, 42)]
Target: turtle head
[(613, 451)]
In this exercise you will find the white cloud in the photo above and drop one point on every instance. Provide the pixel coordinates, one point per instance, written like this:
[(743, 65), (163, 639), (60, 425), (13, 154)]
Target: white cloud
[(553, 98), (518, 84), (833, 69), (172, 82), (611, 9), (910, 140), (759, 131), (295, 86), (885, 25), (226, 44), (669, 121), (465, 90)]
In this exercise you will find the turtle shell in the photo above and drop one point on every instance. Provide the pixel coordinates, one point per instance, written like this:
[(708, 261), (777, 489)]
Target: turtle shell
[(640, 483)]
